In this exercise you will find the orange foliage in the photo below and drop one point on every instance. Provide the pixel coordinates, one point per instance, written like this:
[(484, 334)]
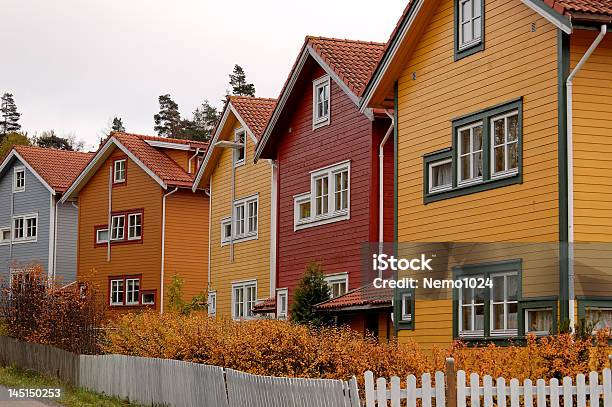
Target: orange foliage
[(279, 348)]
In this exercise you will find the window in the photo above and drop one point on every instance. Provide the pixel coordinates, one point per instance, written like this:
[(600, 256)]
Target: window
[(226, 230), (281, 303), (245, 220), (244, 296), (25, 228), (488, 302), (321, 89), (132, 291), (601, 317), (406, 304), (440, 176), (504, 148), (118, 227), (470, 153), (539, 321), (134, 226), (329, 197), (19, 179), (485, 154), (116, 292), (212, 303), (5, 235), (338, 284), (469, 27), (119, 171), (504, 304), (126, 291), (239, 152), (147, 298)]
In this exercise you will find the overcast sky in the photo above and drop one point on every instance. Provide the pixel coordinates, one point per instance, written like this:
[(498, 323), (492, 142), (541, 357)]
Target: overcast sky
[(74, 64)]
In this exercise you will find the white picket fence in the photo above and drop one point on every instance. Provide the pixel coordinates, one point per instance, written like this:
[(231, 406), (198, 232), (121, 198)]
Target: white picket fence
[(488, 392)]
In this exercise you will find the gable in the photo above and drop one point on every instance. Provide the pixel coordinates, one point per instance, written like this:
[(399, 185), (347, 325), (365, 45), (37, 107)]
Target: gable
[(14, 159)]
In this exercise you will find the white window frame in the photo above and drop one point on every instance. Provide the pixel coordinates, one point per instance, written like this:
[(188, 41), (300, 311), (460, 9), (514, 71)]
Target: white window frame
[(331, 215), (10, 234), (212, 303), (245, 207), (473, 179), (526, 320), (130, 226), (117, 180), (335, 278), (111, 291), (430, 168), (133, 292), (237, 133), (280, 312), (325, 119), (506, 172), (142, 294), (474, 333), (406, 298), (24, 219), (16, 171), (224, 237), (244, 287), (98, 240), (591, 310), (476, 36), (505, 331), (112, 229)]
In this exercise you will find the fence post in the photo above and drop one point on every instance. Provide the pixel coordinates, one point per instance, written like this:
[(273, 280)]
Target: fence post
[(451, 383)]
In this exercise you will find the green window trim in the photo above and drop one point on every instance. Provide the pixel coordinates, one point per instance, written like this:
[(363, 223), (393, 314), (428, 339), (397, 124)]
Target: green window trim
[(486, 270), (477, 47), (584, 303), (538, 303), (401, 324), (487, 182)]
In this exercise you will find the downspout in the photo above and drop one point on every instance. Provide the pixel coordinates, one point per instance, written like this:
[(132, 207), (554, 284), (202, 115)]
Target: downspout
[(192, 157), (232, 197), (209, 193), (381, 179), (570, 169), (55, 239), (109, 226), (273, 227), (163, 250), (12, 224)]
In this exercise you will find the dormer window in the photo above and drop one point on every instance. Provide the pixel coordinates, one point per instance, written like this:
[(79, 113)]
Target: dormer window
[(469, 27), (119, 171), (321, 100)]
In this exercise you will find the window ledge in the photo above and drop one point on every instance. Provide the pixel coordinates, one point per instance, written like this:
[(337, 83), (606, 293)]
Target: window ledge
[(320, 123), (20, 241), (322, 220), (243, 238), (497, 182), (468, 50)]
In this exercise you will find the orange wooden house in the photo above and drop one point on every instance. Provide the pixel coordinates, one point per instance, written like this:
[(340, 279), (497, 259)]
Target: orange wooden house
[(139, 223)]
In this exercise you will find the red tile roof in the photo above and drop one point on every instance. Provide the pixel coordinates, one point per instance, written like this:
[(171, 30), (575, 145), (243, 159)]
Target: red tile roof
[(364, 296), (59, 168), (353, 61), (254, 111), (155, 159), (581, 6), (265, 306)]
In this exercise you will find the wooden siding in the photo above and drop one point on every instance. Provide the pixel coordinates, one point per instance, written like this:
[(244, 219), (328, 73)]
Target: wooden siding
[(181, 157), (516, 62), (350, 136), (186, 247), (252, 257), (142, 258)]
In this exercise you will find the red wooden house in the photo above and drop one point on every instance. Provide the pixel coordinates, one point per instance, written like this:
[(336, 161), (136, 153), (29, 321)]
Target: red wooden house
[(327, 178)]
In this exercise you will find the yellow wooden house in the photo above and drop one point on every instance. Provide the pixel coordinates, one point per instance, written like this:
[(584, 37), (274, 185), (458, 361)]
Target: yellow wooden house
[(503, 142), (242, 215)]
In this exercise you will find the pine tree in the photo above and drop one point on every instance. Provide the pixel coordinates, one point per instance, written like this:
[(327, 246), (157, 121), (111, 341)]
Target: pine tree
[(9, 118), (238, 82), (168, 121), (117, 124), (205, 119), (312, 290)]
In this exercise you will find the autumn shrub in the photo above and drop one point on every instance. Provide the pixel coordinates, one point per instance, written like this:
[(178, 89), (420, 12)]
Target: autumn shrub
[(280, 348), (35, 308)]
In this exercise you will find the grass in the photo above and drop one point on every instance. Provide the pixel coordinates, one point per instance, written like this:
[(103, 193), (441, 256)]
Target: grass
[(13, 377)]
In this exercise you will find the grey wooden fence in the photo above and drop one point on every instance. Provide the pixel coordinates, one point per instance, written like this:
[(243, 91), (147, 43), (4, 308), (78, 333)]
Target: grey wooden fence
[(41, 358), (247, 390)]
